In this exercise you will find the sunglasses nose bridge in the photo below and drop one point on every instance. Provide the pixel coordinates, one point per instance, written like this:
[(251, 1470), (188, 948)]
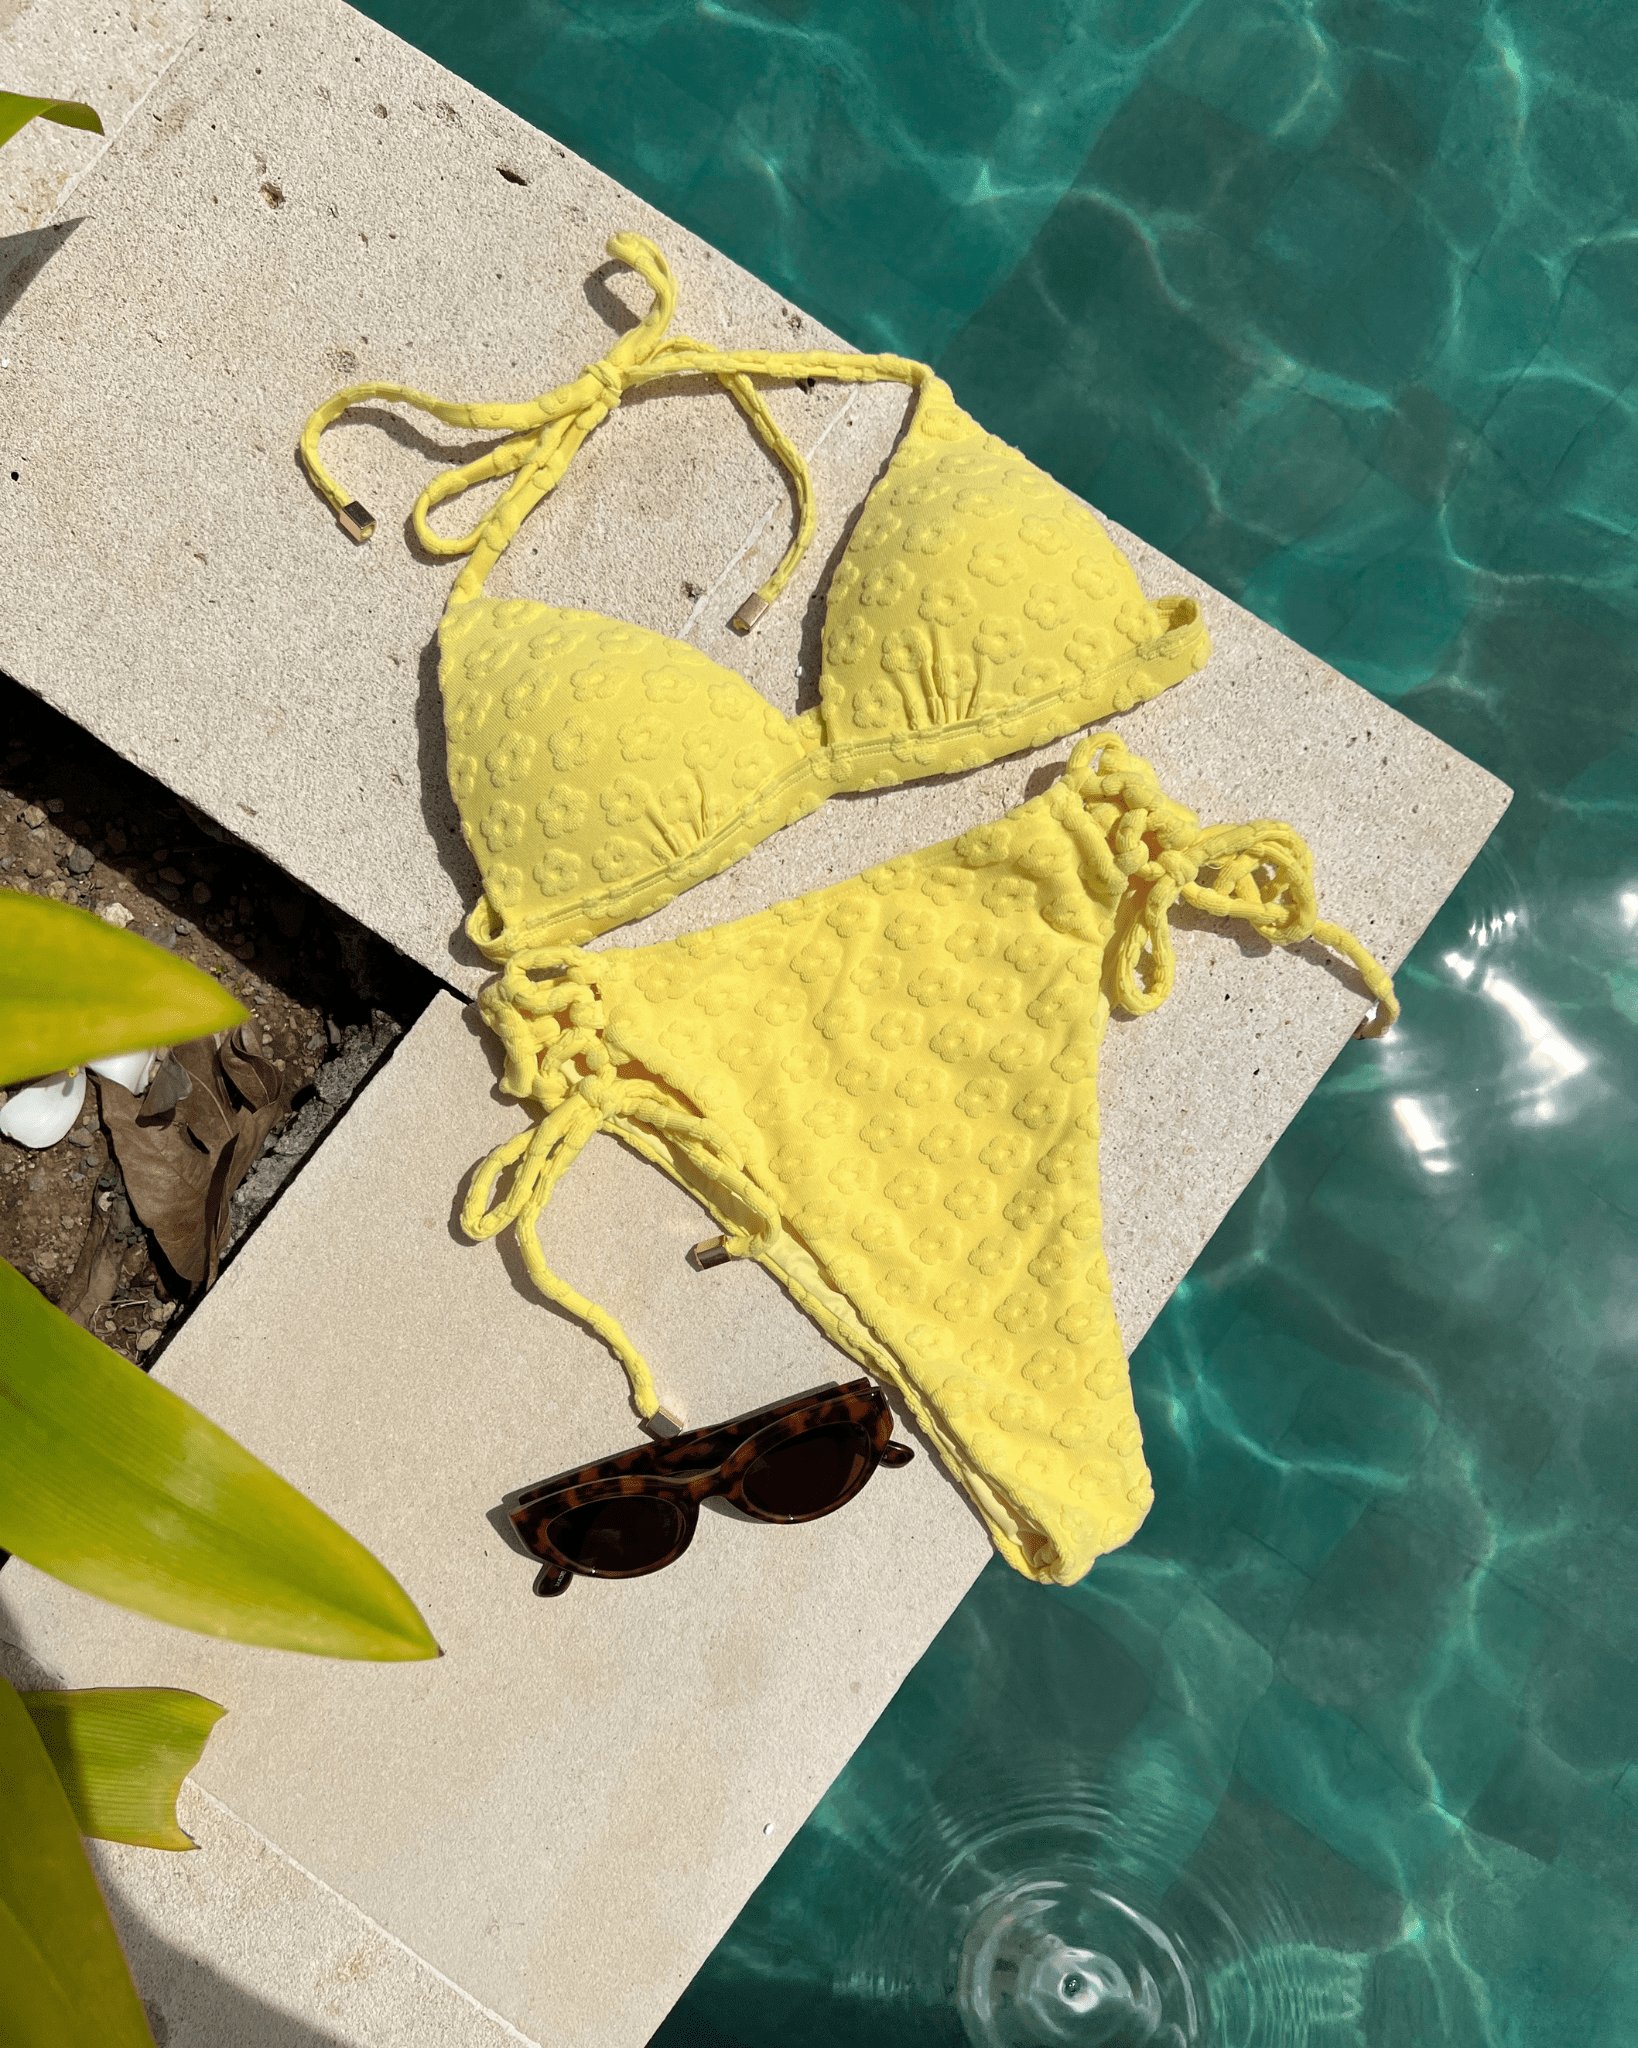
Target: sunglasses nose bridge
[(699, 1487)]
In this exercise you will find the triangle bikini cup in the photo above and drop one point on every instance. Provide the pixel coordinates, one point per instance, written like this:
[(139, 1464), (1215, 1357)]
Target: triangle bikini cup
[(600, 768), (885, 1091)]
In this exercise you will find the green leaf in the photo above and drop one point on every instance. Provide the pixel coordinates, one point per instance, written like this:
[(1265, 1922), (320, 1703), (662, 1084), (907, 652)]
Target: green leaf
[(63, 1980), (122, 1753), (18, 109), (74, 989), (112, 1483)]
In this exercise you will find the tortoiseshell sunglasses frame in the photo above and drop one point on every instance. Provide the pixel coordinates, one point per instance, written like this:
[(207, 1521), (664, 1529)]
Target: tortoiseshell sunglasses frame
[(697, 1465)]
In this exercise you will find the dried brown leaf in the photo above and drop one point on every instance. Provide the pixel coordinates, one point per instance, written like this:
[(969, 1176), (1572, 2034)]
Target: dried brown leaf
[(183, 1160), (95, 1276), (170, 1083)]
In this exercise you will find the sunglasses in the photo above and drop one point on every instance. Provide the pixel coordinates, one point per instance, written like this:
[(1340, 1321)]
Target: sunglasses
[(790, 1462)]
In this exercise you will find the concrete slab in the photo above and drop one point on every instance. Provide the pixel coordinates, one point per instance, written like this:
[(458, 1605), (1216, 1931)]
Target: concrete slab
[(563, 1814), (106, 54)]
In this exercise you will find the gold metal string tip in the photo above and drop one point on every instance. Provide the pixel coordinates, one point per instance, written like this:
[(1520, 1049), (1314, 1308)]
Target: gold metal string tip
[(711, 1251), (356, 521), (749, 612)]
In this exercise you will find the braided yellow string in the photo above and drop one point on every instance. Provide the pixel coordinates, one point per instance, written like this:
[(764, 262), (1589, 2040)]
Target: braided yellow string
[(547, 432), (1262, 874), (568, 1068)]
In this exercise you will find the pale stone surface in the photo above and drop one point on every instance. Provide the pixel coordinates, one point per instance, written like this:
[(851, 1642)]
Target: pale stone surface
[(564, 1812), (110, 56), (236, 1946)]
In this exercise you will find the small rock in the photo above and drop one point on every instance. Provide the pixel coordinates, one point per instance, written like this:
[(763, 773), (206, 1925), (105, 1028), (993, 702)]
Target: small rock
[(34, 867), (115, 914), (147, 1340), (37, 1182), (245, 952), (167, 890), (34, 817), (170, 874), (80, 1137), (81, 860), (54, 804), (182, 927), (201, 892), (117, 841)]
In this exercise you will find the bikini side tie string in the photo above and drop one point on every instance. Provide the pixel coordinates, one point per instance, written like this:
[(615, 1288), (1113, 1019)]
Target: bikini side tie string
[(1262, 873), (570, 1071), (547, 432)]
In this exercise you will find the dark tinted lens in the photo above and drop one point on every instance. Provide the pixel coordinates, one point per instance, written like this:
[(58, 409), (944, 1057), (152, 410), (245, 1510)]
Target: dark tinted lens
[(810, 1473), (630, 1533)]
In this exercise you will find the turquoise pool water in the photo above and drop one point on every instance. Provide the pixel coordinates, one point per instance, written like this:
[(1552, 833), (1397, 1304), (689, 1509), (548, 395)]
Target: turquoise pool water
[(1337, 303)]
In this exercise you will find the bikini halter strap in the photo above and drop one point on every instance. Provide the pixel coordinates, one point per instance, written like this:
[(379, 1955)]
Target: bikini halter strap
[(546, 432)]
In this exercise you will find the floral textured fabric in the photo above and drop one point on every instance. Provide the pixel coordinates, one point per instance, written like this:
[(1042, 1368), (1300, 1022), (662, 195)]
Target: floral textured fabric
[(886, 1092), (600, 768)]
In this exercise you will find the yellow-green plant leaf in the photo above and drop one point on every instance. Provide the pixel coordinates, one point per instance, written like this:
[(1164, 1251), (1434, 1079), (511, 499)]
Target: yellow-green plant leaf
[(112, 1483), (17, 109), (63, 1980), (122, 1753), (74, 989)]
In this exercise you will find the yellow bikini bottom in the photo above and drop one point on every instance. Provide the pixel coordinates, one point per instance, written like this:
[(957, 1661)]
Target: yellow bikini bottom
[(886, 1093)]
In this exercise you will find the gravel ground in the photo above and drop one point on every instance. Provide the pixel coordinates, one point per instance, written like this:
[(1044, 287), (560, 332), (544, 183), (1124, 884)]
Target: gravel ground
[(328, 997)]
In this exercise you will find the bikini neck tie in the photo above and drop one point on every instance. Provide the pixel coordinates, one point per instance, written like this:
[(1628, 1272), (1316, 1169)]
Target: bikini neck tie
[(546, 433)]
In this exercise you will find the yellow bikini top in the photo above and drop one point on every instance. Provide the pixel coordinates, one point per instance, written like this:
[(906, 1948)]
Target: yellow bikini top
[(601, 768)]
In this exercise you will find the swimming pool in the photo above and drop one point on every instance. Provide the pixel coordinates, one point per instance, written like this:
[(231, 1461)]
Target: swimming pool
[(1338, 304)]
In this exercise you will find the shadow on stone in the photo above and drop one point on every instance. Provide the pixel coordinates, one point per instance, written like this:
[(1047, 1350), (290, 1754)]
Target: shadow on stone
[(24, 256), (190, 2005)]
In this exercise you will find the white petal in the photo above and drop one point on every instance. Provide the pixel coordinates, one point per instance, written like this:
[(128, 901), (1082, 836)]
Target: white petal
[(133, 1070), (44, 1111)]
